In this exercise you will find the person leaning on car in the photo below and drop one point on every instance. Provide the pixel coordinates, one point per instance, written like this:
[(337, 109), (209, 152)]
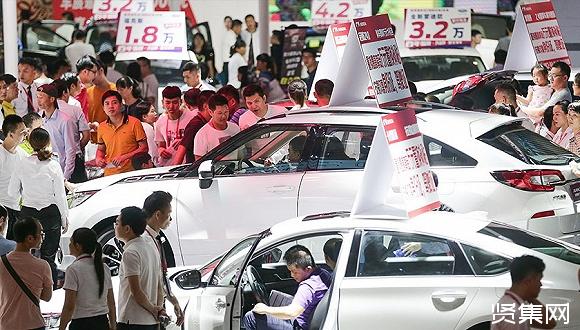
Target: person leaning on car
[(313, 284), (526, 273)]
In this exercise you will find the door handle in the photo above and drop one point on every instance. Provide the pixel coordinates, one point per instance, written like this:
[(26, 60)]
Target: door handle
[(279, 189), (448, 300)]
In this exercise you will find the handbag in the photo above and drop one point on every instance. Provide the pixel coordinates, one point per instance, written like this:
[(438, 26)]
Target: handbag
[(18, 280)]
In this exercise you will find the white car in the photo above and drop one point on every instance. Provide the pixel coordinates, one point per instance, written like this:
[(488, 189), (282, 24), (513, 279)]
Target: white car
[(453, 282), (428, 67), (483, 162)]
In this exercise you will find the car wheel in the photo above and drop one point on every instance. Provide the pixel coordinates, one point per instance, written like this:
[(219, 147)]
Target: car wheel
[(112, 248)]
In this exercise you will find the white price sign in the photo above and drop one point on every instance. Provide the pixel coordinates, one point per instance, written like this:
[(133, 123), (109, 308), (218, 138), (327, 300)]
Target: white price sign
[(110, 9), (425, 28), (160, 33), (327, 12)]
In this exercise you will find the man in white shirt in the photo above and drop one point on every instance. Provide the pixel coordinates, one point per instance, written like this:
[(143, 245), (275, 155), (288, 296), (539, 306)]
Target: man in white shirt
[(227, 42), (256, 102), (149, 79), (108, 59), (170, 126), (217, 130), (192, 78), (10, 157), (83, 134), (558, 76), (26, 101), (526, 273), (250, 36), (140, 286), (78, 49)]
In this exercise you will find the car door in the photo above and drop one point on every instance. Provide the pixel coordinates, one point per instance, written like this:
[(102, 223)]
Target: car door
[(253, 187), (218, 305), (434, 284)]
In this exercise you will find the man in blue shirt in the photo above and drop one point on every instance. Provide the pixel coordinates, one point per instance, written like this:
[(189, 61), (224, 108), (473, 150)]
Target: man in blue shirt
[(313, 285), (5, 244)]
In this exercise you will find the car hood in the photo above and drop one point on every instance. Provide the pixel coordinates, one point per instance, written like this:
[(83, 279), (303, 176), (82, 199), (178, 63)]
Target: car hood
[(100, 183)]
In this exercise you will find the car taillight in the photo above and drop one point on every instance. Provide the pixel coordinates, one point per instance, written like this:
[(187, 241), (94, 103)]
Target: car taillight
[(529, 180)]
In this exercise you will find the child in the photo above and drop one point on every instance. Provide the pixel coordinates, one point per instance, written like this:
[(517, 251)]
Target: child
[(89, 293), (142, 161), (31, 120), (540, 92)]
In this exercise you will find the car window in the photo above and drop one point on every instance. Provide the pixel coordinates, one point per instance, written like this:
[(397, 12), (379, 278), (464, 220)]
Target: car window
[(383, 254), (526, 145), (270, 149), (531, 241), (44, 38), (441, 67), (440, 154), (343, 149), (229, 269), (485, 262)]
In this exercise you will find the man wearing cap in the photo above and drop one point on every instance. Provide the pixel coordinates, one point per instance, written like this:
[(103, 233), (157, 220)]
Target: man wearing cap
[(61, 127), (170, 127), (119, 138), (192, 78)]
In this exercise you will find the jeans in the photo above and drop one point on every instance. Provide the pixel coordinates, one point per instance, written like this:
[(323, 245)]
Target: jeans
[(254, 321), (100, 322), (13, 216), (49, 218), (80, 173)]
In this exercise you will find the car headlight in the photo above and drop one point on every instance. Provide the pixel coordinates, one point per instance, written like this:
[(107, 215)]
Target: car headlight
[(77, 198), (51, 320)]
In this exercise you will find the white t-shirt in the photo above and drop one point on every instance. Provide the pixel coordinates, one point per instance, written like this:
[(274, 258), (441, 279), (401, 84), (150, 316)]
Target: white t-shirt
[(171, 132), (208, 138), (139, 259), (248, 118), (9, 162), (76, 50), (235, 62), (509, 300), (82, 278), (150, 133), (73, 101)]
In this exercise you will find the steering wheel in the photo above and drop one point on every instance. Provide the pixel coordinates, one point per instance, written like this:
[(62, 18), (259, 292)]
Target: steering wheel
[(257, 285)]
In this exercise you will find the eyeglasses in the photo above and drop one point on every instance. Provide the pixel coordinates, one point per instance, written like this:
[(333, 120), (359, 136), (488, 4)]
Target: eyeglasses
[(550, 75)]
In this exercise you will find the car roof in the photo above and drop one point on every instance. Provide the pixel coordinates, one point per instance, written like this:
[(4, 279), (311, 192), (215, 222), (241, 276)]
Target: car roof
[(443, 224), (467, 51), (366, 113)]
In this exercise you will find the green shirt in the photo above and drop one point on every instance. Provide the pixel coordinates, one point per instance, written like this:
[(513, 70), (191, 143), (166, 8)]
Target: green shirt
[(26, 147)]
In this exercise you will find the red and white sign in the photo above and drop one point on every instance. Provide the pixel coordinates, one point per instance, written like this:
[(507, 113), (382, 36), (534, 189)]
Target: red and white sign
[(340, 36), (382, 59), (545, 33), (160, 34), (411, 162), (327, 12), (110, 9), (437, 27)]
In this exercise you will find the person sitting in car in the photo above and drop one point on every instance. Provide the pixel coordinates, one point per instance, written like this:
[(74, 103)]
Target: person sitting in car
[(313, 284)]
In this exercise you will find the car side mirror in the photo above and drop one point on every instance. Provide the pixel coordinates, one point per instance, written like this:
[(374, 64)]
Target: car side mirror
[(189, 280), (205, 173)]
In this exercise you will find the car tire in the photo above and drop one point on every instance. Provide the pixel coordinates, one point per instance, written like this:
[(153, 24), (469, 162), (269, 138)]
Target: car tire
[(112, 247)]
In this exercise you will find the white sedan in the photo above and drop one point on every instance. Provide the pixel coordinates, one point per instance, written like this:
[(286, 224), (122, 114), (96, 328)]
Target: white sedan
[(453, 282)]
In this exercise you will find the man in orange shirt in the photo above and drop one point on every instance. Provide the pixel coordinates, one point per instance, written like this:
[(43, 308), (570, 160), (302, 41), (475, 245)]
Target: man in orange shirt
[(95, 93), (120, 137)]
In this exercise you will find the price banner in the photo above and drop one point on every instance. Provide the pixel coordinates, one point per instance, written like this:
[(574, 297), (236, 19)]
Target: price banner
[(437, 27), (545, 33), (382, 59), (160, 32), (411, 162), (110, 9), (328, 12), (292, 55)]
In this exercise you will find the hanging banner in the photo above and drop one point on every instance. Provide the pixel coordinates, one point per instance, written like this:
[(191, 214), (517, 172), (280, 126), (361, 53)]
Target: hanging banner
[(292, 55), (545, 33), (411, 162), (437, 27), (158, 35), (382, 59), (110, 9), (328, 12)]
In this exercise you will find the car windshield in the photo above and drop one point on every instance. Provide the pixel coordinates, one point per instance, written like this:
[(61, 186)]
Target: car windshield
[(440, 67), (527, 146), (531, 241)]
